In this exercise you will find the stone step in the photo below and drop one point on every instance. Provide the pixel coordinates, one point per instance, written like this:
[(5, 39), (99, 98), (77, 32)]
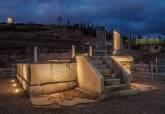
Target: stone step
[(97, 61), (106, 75), (108, 81), (112, 76), (101, 66), (112, 88), (104, 71), (101, 52), (96, 57)]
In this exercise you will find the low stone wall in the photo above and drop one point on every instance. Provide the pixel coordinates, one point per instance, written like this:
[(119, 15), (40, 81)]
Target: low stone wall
[(88, 76), (122, 65), (39, 79)]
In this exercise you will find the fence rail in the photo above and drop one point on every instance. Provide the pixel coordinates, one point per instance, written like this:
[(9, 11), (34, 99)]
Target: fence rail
[(10, 71), (157, 69)]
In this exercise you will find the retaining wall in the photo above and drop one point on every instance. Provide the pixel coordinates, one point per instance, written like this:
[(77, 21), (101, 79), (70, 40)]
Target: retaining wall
[(88, 76), (39, 79)]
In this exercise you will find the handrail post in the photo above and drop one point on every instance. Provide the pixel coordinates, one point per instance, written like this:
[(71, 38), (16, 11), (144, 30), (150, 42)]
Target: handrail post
[(152, 71), (156, 64), (73, 51), (90, 51), (35, 54)]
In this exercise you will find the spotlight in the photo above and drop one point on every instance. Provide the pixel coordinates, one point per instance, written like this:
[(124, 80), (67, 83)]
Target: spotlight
[(12, 80), (17, 90), (14, 85)]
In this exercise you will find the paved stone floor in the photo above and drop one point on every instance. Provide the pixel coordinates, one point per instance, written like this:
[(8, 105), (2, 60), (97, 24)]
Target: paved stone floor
[(14, 101)]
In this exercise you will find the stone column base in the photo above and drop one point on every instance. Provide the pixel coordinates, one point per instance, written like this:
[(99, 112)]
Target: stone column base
[(100, 52), (117, 52)]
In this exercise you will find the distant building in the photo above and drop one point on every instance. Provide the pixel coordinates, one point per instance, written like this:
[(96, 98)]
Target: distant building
[(10, 20)]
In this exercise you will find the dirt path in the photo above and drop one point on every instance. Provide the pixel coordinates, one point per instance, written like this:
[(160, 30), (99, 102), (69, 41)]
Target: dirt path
[(16, 102)]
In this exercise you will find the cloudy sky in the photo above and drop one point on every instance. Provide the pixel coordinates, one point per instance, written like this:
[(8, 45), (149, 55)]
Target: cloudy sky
[(128, 16)]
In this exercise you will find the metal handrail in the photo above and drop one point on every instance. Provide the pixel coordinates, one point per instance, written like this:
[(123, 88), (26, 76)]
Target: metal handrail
[(156, 66)]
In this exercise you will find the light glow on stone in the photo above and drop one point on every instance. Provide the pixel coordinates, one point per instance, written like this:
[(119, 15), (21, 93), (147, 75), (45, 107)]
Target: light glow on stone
[(14, 85), (17, 90), (12, 80)]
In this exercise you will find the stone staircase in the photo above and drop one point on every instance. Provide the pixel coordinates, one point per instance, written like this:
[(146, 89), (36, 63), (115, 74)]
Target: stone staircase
[(112, 82)]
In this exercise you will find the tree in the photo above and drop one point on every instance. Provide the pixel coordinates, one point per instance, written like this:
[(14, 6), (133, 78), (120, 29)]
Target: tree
[(68, 26)]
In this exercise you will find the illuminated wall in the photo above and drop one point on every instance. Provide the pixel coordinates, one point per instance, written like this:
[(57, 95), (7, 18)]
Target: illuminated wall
[(47, 78), (88, 76)]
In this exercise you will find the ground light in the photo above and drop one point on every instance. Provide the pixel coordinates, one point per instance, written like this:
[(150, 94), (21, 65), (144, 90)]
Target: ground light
[(12, 80), (14, 85), (17, 90)]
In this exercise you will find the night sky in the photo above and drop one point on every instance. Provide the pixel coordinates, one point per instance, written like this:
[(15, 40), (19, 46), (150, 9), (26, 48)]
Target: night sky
[(128, 16)]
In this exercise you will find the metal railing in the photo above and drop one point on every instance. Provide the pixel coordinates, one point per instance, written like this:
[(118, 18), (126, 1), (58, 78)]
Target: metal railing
[(157, 69), (8, 71)]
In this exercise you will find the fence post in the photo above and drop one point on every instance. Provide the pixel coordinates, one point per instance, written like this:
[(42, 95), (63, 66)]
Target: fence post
[(152, 71), (90, 51), (35, 54), (156, 64), (73, 51)]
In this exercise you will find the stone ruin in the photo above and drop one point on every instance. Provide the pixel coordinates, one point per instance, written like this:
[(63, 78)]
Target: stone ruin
[(101, 41)]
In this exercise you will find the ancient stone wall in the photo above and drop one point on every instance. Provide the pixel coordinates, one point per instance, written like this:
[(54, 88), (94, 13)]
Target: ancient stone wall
[(88, 76), (39, 79)]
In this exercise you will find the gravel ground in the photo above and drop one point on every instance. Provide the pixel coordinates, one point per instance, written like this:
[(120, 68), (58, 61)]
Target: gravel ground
[(145, 103)]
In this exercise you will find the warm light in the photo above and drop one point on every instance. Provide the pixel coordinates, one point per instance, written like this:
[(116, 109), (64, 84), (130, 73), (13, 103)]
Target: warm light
[(14, 85), (10, 20), (17, 90), (55, 94), (12, 80)]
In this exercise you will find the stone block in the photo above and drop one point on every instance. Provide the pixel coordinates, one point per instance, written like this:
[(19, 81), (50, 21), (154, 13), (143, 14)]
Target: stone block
[(47, 78), (40, 73), (51, 88), (35, 90), (64, 86), (62, 72)]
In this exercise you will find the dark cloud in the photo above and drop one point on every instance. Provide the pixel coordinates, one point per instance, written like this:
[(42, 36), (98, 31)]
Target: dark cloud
[(129, 16)]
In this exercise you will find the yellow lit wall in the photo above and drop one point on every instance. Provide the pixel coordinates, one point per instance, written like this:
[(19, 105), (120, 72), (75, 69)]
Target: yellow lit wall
[(88, 78), (39, 79)]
